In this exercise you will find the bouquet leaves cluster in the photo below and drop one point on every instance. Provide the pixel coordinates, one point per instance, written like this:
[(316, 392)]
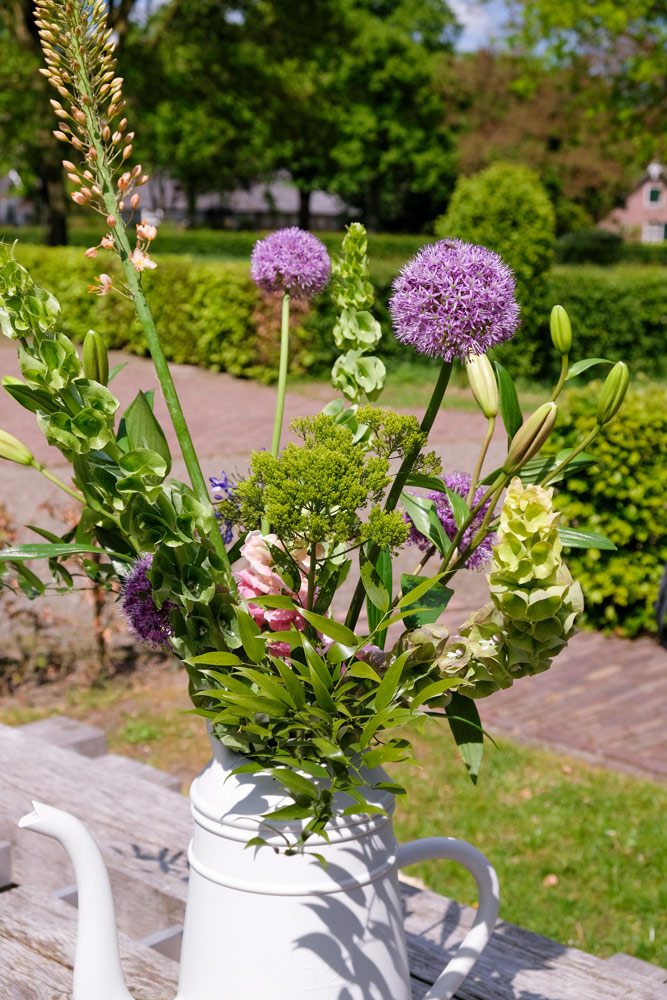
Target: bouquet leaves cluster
[(240, 581)]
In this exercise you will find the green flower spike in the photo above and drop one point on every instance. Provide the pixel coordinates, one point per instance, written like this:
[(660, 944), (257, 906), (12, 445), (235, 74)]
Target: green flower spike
[(535, 602)]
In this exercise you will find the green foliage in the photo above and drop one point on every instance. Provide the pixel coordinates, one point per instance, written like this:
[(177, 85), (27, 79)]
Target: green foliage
[(313, 493), (619, 314), (506, 209), (589, 246), (356, 330), (625, 500)]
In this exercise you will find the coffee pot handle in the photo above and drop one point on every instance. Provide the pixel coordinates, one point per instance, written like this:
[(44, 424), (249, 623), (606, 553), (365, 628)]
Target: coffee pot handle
[(477, 938)]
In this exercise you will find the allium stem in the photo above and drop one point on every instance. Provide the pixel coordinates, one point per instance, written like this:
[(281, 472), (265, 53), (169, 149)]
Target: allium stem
[(282, 377), (401, 478)]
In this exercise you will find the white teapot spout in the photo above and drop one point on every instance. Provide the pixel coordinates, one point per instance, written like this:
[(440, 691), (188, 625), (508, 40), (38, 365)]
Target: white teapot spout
[(97, 970)]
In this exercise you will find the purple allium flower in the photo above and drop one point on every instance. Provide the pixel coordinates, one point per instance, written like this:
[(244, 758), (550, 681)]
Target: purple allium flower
[(227, 486), (290, 260), (458, 482), (454, 299), (144, 619)]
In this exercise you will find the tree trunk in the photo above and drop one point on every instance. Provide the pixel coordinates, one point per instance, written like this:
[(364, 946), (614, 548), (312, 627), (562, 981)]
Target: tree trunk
[(304, 209), (53, 195)]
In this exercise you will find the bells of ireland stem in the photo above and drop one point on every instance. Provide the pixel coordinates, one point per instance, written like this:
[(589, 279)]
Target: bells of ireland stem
[(530, 437), (561, 330), (95, 358), (613, 392), (482, 379), (13, 450)]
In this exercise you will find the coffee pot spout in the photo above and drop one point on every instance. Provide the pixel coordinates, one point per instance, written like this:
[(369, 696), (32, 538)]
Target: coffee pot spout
[(97, 969)]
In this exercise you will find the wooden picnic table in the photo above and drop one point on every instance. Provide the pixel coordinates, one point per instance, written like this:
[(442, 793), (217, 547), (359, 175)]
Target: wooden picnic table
[(142, 826)]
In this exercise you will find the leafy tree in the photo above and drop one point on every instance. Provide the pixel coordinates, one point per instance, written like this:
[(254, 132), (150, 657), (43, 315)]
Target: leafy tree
[(509, 108), (506, 209), (621, 43)]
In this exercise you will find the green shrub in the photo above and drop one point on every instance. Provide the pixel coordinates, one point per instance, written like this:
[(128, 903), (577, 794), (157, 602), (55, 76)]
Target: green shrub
[(506, 209), (619, 314), (626, 500), (645, 253), (589, 246)]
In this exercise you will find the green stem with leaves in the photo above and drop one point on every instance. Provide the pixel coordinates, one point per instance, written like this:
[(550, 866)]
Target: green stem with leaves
[(564, 365), (400, 480), (57, 482), (491, 424)]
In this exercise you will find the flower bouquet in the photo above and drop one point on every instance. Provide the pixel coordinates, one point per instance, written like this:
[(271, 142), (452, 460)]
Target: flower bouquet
[(239, 583)]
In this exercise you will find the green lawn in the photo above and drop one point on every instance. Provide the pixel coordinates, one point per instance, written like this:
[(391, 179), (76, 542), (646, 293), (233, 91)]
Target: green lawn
[(581, 853)]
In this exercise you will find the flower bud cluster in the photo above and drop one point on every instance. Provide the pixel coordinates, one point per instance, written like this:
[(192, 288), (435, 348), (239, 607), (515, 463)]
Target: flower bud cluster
[(535, 602), (79, 55)]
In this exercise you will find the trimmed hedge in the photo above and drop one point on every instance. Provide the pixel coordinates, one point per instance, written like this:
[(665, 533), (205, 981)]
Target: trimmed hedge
[(589, 246), (506, 208), (619, 314), (211, 314), (626, 500)]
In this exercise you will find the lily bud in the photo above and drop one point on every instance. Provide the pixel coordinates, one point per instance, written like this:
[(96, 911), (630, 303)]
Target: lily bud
[(111, 220), (561, 330), (483, 383), (613, 392), (530, 437), (12, 449), (95, 358), (134, 200)]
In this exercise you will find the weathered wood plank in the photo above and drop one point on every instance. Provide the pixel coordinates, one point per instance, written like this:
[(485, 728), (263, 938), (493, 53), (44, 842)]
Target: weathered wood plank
[(516, 963), (137, 825), (40, 932), (631, 966), (70, 734)]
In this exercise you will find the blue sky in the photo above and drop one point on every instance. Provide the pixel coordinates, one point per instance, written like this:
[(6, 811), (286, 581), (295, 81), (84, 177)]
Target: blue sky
[(482, 22)]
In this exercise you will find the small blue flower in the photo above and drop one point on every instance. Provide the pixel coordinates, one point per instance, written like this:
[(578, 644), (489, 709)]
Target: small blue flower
[(226, 487)]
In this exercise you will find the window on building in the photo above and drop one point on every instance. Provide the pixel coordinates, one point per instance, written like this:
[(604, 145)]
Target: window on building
[(654, 196), (654, 232)]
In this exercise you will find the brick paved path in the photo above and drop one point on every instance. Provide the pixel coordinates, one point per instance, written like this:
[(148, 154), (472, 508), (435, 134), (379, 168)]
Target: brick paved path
[(605, 697)]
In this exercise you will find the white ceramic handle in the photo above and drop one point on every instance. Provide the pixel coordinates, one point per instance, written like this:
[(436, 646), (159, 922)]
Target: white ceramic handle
[(477, 938)]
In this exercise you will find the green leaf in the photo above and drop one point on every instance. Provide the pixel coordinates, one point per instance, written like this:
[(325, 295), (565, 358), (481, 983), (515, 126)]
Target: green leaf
[(423, 514), (291, 682), (331, 628), (250, 637), (36, 550), (289, 812), (329, 582), (576, 539), (275, 601), (460, 508), (431, 604), (432, 691), (581, 366), (267, 685), (390, 681), (509, 401), (114, 371), (337, 652), (373, 585), (295, 782), (538, 468), (216, 658), (466, 727), (143, 429), (416, 592)]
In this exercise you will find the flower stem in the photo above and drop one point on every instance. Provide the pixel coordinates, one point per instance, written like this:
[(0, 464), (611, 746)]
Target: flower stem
[(58, 482), (282, 377), (564, 365), (401, 479), (480, 461), (148, 325), (590, 437)]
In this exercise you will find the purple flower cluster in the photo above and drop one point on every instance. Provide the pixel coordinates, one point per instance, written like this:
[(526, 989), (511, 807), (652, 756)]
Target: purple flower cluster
[(454, 299), (290, 260), (226, 487), (144, 619), (458, 482)]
